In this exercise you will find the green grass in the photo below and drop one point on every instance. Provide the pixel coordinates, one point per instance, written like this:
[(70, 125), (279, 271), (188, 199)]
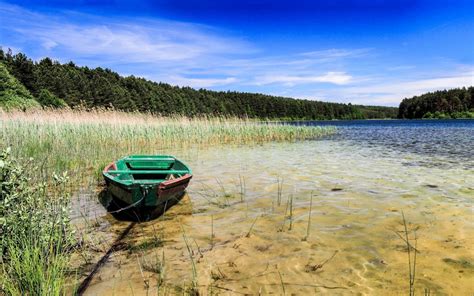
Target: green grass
[(78, 140), (36, 236)]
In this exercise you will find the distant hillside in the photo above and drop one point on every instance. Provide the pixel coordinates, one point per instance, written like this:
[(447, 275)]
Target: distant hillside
[(454, 103), (103, 88)]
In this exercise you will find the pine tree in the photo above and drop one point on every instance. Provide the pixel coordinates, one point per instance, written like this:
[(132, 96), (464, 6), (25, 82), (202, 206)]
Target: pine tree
[(12, 93)]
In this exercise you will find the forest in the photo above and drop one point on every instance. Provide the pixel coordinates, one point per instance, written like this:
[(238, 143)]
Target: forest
[(453, 103), (54, 84)]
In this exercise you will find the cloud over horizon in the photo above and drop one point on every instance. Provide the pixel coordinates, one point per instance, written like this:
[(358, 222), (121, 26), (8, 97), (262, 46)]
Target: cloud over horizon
[(203, 56)]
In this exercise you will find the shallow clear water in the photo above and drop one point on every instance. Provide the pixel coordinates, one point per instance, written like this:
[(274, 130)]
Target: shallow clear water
[(361, 180), (446, 142)]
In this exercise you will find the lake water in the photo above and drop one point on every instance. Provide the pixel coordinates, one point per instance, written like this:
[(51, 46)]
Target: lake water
[(446, 142), (245, 217)]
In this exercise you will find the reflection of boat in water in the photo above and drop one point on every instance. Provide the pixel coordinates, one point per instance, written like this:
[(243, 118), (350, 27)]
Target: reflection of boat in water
[(146, 182)]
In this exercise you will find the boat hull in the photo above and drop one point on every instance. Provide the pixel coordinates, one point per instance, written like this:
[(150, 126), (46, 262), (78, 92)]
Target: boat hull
[(145, 195)]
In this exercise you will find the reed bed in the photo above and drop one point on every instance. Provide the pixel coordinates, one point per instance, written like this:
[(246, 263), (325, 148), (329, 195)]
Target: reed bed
[(43, 142), (75, 140)]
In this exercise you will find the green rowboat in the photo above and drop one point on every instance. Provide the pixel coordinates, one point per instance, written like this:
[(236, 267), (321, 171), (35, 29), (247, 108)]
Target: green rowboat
[(147, 181)]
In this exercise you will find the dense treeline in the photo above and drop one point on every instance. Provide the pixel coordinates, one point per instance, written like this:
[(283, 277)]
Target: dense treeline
[(14, 95), (59, 84), (454, 103)]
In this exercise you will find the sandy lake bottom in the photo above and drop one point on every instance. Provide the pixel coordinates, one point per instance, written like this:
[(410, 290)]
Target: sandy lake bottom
[(243, 225)]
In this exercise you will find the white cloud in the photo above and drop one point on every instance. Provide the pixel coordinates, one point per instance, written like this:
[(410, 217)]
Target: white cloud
[(174, 52), (339, 78), (49, 44), (201, 82), (394, 92), (401, 68), (138, 40), (387, 92), (336, 53), (199, 56)]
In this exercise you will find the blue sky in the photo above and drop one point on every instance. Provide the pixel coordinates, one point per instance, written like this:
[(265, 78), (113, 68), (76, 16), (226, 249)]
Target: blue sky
[(365, 52)]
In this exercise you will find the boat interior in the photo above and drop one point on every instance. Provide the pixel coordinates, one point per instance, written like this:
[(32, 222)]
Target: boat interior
[(148, 169)]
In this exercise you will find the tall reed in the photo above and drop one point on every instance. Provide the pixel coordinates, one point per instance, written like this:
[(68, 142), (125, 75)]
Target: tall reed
[(212, 231), (194, 282), (309, 218), (82, 143), (76, 140), (251, 227), (291, 213), (280, 189), (242, 187), (411, 265)]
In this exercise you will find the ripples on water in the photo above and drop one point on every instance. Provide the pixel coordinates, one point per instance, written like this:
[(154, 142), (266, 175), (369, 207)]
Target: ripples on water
[(446, 142)]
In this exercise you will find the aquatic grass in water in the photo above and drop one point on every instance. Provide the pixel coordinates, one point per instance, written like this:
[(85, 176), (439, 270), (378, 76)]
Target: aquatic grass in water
[(194, 284), (280, 189), (83, 142), (411, 265), (242, 187), (356, 221), (309, 218), (75, 140)]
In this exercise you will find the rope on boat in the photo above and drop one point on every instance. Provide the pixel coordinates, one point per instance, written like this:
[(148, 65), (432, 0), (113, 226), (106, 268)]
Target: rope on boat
[(85, 283), (144, 193), (127, 207)]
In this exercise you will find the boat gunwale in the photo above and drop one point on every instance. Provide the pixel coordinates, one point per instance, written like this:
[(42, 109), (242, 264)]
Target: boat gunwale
[(108, 171)]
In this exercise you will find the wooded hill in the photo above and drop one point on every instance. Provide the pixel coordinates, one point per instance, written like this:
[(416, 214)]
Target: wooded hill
[(56, 84), (454, 103)]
